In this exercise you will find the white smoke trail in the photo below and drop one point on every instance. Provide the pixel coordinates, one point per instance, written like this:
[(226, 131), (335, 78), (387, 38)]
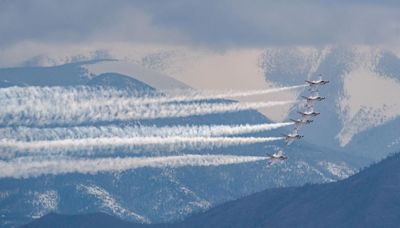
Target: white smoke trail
[(189, 96), (28, 93), (32, 134), (42, 113), (9, 148), (27, 167), (109, 96)]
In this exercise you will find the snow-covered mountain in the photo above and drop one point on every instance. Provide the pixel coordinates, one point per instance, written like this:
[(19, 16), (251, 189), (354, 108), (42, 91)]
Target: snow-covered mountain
[(155, 195), (361, 99), (366, 199), (361, 111)]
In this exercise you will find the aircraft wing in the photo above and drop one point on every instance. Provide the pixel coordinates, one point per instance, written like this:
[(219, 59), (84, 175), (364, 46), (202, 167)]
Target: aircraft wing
[(289, 141), (272, 162)]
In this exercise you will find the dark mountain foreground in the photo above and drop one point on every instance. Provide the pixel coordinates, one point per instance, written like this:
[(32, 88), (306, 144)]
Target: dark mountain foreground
[(370, 198), (98, 220)]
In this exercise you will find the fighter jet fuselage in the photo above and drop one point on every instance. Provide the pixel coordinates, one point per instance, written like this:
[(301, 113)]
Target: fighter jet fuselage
[(309, 113), (314, 98), (317, 82), (277, 156), (293, 136), (301, 121)]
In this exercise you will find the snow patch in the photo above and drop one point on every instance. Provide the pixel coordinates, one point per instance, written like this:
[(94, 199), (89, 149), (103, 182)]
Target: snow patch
[(110, 203), (394, 143), (294, 60), (303, 167), (369, 105), (197, 203), (4, 195), (339, 170), (45, 202)]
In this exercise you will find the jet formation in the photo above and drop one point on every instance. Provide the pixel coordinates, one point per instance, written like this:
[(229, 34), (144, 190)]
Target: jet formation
[(306, 116)]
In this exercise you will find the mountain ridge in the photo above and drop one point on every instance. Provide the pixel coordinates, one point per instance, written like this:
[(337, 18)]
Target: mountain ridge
[(366, 199)]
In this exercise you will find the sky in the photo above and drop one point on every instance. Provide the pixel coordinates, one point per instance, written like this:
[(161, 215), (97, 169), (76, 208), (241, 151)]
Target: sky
[(212, 45), (222, 40), (212, 24)]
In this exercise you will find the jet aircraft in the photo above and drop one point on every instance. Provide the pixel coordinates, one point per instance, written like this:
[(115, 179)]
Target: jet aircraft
[(276, 157), (313, 98), (314, 84), (289, 138), (309, 113)]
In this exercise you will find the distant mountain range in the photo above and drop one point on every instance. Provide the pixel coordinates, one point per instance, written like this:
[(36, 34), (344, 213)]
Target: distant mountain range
[(361, 97), (367, 199), (159, 195), (359, 114)]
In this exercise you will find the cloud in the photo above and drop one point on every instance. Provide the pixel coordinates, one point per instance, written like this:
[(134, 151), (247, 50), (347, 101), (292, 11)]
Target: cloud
[(206, 23), (76, 21), (281, 22)]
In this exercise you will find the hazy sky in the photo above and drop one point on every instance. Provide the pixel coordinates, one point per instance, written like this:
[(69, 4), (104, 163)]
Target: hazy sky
[(208, 23)]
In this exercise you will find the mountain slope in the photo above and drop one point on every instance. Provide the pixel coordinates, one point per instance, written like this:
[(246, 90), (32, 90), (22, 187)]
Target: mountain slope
[(363, 82), (99, 220), (367, 199), (121, 82)]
